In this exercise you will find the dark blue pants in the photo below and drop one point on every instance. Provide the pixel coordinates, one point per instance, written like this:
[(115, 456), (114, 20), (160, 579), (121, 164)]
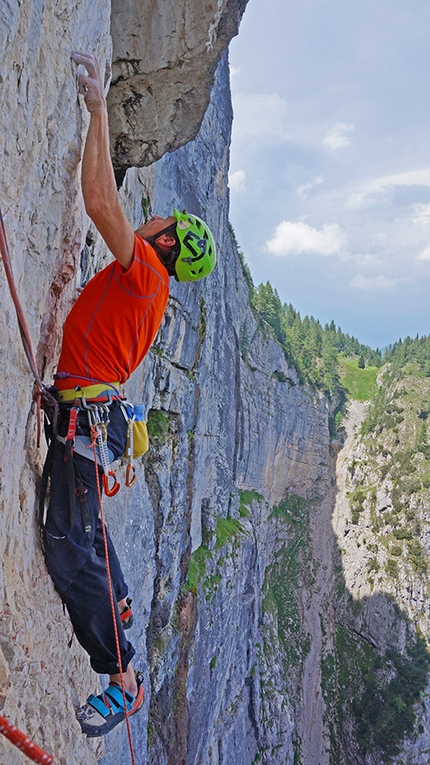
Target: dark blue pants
[(76, 560)]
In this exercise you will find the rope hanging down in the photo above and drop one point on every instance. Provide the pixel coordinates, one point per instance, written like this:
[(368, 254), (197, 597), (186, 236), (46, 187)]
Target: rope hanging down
[(41, 391), (23, 328), (24, 743), (111, 596)]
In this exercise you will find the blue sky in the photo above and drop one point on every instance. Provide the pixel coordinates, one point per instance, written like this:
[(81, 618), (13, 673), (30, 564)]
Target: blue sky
[(330, 159)]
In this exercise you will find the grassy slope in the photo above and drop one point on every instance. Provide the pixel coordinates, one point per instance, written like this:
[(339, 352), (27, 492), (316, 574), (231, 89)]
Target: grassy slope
[(360, 383)]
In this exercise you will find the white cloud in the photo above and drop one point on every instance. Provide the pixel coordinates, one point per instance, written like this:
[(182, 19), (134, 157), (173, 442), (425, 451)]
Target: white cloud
[(369, 193), (377, 283), (411, 178), (424, 254), (236, 180), (303, 190), (362, 200), (366, 260), (422, 214), (295, 237), (234, 70), (256, 113), (338, 137)]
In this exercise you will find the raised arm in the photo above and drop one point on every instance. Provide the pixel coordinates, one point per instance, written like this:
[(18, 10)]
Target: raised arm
[(98, 181)]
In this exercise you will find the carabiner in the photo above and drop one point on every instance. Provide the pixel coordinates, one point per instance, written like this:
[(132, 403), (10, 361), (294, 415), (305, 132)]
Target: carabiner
[(116, 485), (130, 481)]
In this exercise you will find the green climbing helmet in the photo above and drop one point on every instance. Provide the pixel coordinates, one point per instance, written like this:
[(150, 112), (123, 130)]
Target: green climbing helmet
[(197, 256)]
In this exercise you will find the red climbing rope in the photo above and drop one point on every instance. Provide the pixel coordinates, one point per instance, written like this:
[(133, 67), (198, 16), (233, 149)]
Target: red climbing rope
[(23, 328), (111, 596), (41, 391), (7, 728), (24, 743)]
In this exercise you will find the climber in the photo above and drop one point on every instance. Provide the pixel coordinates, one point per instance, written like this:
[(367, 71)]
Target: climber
[(106, 335)]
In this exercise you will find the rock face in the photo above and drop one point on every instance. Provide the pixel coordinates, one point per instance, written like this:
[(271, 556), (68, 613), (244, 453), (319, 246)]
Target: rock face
[(231, 430), (164, 62), (230, 425), (226, 537), (381, 525)]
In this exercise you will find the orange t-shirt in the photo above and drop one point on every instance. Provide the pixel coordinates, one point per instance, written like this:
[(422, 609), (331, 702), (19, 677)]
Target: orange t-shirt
[(114, 321)]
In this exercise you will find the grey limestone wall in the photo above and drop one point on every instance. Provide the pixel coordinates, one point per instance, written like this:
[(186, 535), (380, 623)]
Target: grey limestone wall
[(231, 426)]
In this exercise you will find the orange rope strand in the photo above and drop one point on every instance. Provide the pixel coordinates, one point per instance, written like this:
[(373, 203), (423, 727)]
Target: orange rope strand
[(112, 602)]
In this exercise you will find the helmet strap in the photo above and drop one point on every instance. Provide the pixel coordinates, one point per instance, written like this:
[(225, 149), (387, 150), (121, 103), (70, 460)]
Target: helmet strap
[(167, 255)]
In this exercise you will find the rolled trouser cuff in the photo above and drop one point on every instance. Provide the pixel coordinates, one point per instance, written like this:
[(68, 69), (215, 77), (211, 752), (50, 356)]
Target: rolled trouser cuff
[(112, 667)]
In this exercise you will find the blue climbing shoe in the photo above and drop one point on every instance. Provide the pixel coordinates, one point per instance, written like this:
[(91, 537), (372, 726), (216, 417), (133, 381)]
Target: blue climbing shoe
[(101, 713)]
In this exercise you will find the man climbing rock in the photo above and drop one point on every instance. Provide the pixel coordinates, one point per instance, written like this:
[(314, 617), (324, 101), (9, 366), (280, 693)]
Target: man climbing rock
[(106, 335)]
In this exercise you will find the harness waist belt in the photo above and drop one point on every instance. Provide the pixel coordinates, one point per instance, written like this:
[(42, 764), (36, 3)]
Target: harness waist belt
[(88, 391)]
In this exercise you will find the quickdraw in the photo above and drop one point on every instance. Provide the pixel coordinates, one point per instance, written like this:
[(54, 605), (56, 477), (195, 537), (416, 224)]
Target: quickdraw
[(98, 420), (130, 474), (110, 492)]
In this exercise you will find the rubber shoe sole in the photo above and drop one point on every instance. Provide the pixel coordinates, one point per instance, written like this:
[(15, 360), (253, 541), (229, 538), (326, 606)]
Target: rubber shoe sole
[(112, 719)]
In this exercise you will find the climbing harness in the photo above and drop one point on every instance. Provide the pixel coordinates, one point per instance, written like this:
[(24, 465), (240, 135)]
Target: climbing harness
[(24, 743), (98, 418), (96, 401), (96, 413)]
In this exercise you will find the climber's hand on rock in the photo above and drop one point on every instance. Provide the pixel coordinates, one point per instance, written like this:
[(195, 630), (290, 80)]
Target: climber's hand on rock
[(90, 85)]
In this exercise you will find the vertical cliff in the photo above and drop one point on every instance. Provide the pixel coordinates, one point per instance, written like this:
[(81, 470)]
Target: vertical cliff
[(222, 421), (43, 128), (230, 440)]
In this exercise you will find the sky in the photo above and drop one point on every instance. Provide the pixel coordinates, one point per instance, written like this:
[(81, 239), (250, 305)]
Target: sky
[(330, 159)]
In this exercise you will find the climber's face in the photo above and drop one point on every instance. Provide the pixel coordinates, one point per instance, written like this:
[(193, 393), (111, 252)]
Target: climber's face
[(155, 225)]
